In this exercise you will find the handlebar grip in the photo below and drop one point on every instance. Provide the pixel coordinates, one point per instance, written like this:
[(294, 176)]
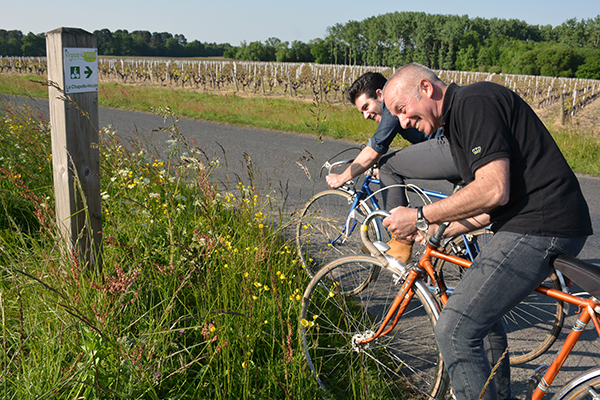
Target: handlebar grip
[(436, 240)]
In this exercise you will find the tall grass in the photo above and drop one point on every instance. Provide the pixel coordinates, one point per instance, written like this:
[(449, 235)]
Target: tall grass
[(198, 298)]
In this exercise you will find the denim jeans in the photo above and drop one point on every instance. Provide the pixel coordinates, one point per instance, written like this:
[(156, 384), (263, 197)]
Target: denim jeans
[(431, 159), (509, 267)]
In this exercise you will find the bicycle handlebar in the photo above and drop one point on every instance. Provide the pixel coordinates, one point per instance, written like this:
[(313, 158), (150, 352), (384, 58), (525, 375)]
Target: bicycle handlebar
[(329, 167), (364, 228), (434, 241)]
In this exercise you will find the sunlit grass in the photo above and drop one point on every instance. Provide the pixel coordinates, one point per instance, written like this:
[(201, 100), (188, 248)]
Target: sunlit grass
[(198, 298)]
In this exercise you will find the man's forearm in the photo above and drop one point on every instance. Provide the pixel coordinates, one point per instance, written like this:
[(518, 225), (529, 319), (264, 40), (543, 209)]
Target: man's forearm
[(365, 160), (489, 190)]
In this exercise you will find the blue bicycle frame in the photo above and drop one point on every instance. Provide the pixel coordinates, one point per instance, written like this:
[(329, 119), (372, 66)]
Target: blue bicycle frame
[(365, 192)]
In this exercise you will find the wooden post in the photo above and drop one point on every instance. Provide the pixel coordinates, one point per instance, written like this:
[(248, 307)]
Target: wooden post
[(75, 150), (562, 108)]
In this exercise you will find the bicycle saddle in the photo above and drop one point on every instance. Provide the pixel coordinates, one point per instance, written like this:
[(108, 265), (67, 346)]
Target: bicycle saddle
[(583, 273)]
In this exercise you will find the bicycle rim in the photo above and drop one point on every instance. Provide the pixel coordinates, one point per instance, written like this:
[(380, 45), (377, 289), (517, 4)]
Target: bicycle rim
[(406, 362), (583, 387), (533, 325), (325, 233)]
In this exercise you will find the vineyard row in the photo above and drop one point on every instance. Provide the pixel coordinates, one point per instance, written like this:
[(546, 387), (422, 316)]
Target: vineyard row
[(299, 79)]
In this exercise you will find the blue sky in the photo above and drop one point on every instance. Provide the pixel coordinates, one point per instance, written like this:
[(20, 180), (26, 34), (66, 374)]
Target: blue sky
[(233, 21)]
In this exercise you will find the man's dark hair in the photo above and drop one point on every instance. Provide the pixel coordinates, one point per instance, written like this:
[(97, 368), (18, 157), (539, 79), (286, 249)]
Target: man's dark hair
[(366, 83)]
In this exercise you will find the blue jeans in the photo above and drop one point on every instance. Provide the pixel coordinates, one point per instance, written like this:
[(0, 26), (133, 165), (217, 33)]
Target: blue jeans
[(509, 267)]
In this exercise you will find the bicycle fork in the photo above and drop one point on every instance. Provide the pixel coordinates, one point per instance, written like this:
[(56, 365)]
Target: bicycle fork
[(398, 307)]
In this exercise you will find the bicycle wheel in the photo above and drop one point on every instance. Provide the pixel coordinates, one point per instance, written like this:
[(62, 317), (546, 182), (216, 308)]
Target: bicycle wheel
[(325, 232), (533, 325), (585, 386), (404, 362)]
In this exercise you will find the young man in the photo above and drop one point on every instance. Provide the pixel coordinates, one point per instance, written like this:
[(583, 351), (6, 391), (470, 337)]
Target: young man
[(425, 159), (518, 180)]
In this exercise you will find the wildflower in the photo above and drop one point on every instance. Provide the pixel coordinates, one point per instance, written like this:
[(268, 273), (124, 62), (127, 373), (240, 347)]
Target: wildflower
[(307, 324)]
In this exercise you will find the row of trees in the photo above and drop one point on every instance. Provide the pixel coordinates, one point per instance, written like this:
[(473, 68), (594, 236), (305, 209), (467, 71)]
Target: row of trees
[(14, 43), (157, 44), (460, 43), (448, 42), (118, 43), (451, 42)]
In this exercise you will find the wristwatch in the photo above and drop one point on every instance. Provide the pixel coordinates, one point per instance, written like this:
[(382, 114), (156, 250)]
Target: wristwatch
[(422, 223)]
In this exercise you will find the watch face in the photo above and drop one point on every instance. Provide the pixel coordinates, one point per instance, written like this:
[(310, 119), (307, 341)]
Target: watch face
[(422, 225)]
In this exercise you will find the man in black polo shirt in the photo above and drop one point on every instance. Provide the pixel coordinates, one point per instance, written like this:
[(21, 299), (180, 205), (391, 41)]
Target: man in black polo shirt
[(366, 93), (519, 182)]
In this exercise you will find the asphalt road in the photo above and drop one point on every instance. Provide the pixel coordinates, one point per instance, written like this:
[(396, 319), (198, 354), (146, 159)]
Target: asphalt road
[(275, 157)]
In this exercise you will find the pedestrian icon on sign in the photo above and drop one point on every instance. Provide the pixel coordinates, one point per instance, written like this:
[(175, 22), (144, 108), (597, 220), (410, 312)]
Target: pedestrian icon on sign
[(75, 74)]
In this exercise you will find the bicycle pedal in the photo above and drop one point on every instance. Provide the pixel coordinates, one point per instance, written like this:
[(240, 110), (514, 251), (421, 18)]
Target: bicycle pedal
[(535, 379)]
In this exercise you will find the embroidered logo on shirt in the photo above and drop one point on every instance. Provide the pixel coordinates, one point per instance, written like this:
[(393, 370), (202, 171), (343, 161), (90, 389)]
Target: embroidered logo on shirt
[(476, 150)]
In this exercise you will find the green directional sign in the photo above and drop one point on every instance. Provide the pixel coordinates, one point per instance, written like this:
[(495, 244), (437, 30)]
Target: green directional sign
[(81, 69)]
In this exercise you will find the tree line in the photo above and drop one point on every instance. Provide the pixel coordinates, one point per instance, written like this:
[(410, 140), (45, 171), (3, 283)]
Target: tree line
[(449, 42), (118, 43)]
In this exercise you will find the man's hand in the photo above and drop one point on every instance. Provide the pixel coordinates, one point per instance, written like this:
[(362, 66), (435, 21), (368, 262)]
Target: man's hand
[(402, 221), (335, 180)]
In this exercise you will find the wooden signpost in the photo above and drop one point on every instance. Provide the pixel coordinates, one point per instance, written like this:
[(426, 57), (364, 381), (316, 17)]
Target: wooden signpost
[(73, 94)]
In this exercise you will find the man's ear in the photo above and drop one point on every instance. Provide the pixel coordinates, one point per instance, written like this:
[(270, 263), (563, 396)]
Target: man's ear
[(426, 88), (379, 93)]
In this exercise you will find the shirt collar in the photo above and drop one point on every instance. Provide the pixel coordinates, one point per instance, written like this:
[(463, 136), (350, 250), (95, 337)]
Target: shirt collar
[(448, 100)]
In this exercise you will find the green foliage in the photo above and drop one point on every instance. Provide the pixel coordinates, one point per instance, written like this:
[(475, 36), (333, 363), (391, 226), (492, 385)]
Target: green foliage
[(159, 44), (14, 43), (198, 297), (449, 42), (590, 68)]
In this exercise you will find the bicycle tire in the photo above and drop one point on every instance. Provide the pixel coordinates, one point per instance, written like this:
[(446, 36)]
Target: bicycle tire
[(582, 387), (533, 325), (321, 222), (404, 362)]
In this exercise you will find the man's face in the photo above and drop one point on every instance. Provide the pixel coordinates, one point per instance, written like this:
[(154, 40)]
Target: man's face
[(370, 107), (420, 114)]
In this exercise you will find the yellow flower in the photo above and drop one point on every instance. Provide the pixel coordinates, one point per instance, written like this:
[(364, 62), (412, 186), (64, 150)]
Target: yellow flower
[(307, 324)]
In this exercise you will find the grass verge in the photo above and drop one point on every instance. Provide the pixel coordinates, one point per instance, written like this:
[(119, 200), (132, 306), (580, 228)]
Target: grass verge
[(198, 298)]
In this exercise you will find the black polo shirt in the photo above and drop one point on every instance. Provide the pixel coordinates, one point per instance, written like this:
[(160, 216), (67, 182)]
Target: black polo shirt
[(485, 121)]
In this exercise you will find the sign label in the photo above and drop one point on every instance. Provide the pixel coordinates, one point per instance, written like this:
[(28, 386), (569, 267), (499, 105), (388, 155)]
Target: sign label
[(81, 69)]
